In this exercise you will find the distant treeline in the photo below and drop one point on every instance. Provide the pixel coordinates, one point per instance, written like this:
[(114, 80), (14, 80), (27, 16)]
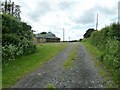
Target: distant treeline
[(17, 38), (107, 40)]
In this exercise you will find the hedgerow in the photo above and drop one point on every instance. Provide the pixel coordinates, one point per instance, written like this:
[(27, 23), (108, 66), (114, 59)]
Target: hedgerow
[(108, 41), (17, 38)]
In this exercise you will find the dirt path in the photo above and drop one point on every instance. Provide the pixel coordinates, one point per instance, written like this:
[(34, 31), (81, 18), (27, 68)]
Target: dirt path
[(83, 73)]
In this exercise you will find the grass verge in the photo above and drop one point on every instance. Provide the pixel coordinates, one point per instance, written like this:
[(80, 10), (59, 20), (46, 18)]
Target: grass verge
[(103, 71), (73, 54), (23, 65)]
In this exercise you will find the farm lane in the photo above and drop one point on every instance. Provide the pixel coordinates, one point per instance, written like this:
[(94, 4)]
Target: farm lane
[(83, 73)]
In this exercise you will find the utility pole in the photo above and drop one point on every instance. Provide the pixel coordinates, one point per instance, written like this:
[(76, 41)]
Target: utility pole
[(69, 38), (97, 22), (119, 12), (63, 34)]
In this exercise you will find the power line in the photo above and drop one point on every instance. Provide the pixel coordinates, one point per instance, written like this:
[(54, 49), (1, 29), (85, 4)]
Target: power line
[(28, 17)]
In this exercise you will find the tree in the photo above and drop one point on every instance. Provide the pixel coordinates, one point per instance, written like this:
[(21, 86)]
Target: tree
[(43, 33), (88, 33)]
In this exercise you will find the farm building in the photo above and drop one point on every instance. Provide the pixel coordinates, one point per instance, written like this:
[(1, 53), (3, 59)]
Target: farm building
[(46, 37)]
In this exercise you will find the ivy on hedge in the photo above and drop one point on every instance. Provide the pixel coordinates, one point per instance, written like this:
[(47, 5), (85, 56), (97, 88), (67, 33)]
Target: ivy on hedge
[(108, 41), (16, 38)]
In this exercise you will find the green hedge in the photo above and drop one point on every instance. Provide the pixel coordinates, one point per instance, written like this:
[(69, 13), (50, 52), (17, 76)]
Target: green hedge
[(108, 41), (17, 38)]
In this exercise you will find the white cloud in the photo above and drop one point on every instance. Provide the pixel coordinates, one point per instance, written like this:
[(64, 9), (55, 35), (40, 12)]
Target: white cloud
[(76, 16)]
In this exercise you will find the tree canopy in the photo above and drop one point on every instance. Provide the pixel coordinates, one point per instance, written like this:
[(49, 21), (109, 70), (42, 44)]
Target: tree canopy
[(88, 33)]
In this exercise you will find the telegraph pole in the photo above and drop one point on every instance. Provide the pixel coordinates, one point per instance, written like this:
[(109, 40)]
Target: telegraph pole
[(69, 38), (119, 12), (63, 34), (97, 22)]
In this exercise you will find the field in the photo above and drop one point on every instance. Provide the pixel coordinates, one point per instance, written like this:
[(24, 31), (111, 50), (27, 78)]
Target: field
[(23, 65)]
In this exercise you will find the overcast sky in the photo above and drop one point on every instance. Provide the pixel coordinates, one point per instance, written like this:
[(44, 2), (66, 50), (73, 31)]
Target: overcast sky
[(76, 16)]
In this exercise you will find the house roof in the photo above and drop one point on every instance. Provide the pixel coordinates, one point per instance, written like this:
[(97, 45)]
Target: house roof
[(47, 35)]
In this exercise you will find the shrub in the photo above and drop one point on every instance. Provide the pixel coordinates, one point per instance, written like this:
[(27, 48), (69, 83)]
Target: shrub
[(16, 38), (108, 41), (8, 52)]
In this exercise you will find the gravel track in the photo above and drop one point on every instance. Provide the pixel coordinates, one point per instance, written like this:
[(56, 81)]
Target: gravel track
[(83, 73)]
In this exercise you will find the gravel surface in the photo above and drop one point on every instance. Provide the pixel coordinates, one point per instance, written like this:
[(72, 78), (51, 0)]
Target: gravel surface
[(83, 73)]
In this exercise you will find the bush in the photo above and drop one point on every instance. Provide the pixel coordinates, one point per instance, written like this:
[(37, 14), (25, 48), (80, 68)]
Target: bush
[(108, 41), (16, 39), (8, 52)]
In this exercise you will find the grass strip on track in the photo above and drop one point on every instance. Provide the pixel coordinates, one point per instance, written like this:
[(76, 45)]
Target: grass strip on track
[(72, 56)]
